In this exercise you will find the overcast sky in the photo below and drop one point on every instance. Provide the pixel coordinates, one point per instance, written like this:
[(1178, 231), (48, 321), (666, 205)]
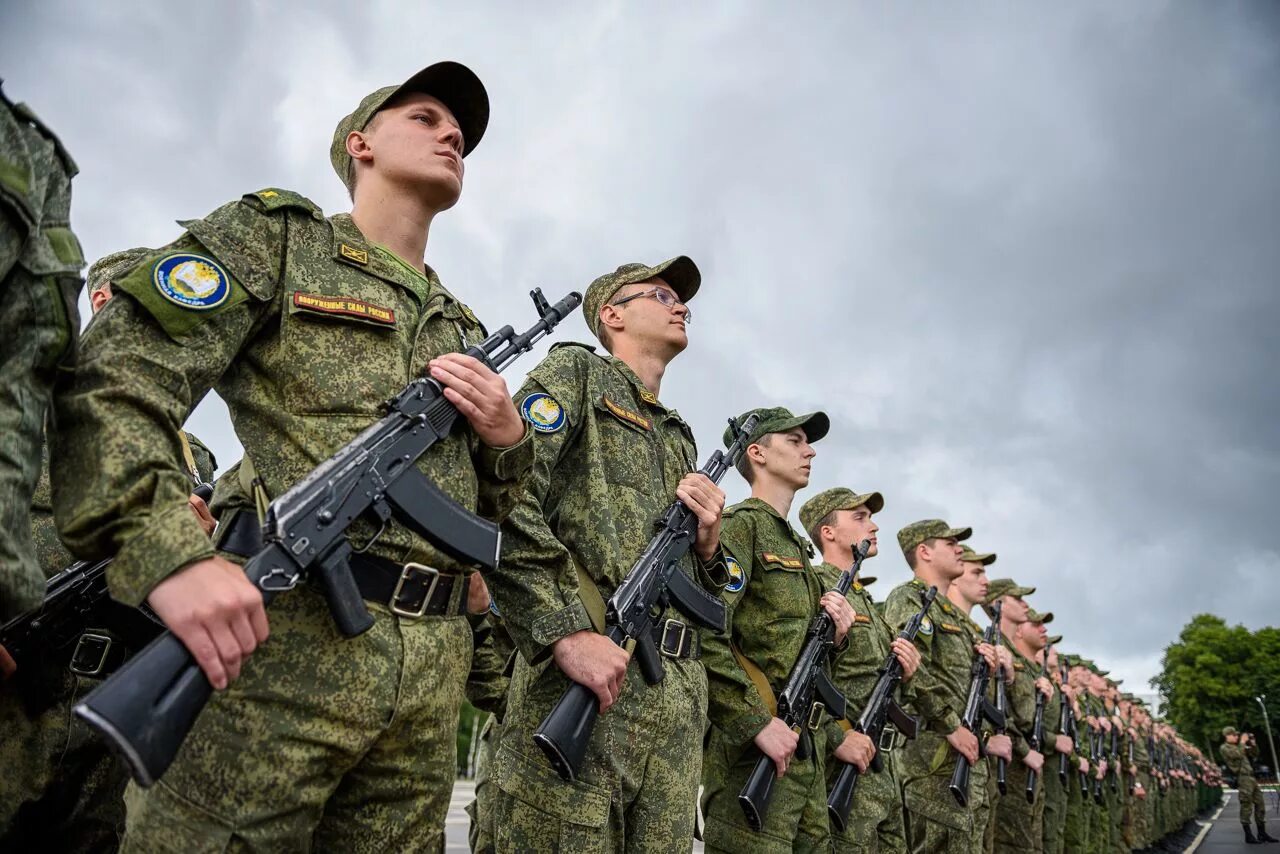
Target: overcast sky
[(1026, 255)]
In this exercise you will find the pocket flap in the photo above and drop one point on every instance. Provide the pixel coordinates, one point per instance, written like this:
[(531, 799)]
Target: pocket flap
[(534, 782)]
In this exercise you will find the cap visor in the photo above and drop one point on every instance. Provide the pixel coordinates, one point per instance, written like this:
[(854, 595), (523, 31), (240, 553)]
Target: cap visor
[(459, 89), (681, 274), (959, 533), (815, 426)]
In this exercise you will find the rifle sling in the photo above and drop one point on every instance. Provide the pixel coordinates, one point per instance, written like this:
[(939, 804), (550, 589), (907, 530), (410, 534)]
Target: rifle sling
[(757, 677), (590, 597)]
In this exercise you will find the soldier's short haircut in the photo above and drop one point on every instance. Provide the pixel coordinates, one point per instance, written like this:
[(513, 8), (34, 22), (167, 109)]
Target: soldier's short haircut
[(744, 462), (816, 531), (370, 125)]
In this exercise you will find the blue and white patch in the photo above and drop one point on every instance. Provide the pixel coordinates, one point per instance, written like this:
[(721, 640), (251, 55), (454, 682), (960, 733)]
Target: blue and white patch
[(737, 578), (191, 281), (926, 626), (493, 608), (542, 412)]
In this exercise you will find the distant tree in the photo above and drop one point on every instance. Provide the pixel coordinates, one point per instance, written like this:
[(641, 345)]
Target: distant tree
[(1211, 676)]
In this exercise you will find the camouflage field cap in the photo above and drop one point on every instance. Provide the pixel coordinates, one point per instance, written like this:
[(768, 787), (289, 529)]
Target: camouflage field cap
[(984, 558), (1034, 616), (1005, 587), (113, 266), (455, 85), (928, 529), (1053, 640), (838, 498), (679, 272), (1229, 730), (778, 419)]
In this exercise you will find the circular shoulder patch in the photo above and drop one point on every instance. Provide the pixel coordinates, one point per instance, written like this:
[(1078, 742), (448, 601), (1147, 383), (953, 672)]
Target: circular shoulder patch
[(926, 626), (542, 411), (737, 578), (191, 281)]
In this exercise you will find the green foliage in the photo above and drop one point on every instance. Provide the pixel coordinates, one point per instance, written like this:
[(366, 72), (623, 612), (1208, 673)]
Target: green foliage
[(1211, 676)]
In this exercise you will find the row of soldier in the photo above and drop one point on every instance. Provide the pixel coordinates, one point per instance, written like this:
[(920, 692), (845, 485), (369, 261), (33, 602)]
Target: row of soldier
[(304, 324)]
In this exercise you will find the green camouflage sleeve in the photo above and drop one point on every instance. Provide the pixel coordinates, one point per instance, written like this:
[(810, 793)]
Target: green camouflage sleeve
[(536, 584), (206, 462), (733, 703), (118, 485), (489, 678), (930, 695)]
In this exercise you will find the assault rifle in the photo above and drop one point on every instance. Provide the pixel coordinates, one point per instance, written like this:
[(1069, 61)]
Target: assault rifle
[(1002, 706), (1096, 754), (807, 691), (146, 709), (636, 607), (1037, 733), (1132, 777), (977, 707), (1115, 755), (1066, 720), (77, 600), (881, 707)]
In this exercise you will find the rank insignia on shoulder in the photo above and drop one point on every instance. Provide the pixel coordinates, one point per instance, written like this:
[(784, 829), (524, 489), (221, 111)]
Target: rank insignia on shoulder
[(788, 562), (542, 412), (950, 629), (648, 396), (267, 194), (360, 256), (926, 626), (737, 578), (191, 281), (861, 619)]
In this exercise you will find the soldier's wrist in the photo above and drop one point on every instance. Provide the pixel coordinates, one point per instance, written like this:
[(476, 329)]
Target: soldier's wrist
[(168, 542)]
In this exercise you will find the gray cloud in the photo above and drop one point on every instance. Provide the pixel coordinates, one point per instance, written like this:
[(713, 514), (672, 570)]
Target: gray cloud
[(1024, 255)]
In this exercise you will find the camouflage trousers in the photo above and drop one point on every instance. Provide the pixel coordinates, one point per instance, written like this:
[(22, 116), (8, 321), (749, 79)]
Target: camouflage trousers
[(638, 786), (61, 788), (480, 834), (983, 796), (797, 818), (876, 822), (1055, 806), (324, 742), (1252, 801), (935, 823), (1019, 824), (1075, 835)]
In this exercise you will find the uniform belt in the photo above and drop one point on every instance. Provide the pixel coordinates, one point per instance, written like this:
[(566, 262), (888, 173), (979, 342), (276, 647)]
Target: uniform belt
[(411, 589), (97, 654), (675, 639), (890, 739)]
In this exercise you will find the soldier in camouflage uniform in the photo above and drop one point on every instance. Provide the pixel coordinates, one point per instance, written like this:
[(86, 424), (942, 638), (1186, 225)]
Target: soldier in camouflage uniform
[(1237, 754), (1057, 745), (836, 520), (1017, 822), (966, 592), (62, 788), (303, 325), (40, 261), (773, 596), (610, 458), (935, 822), (488, 685)]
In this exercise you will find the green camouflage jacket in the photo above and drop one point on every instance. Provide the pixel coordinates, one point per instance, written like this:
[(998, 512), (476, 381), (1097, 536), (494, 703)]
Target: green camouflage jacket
[(304, 329), (608, 457), (1021, 700), (50, 551), (1238, 759), (946, 651), (856, 671), (772, 596)]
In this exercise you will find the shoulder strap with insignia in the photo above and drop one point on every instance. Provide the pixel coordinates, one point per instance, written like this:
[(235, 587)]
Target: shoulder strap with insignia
[(274, 199), (559, 344)]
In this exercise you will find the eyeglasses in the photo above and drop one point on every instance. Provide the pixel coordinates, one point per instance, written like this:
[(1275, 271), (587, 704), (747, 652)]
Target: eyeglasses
[(667, 298)]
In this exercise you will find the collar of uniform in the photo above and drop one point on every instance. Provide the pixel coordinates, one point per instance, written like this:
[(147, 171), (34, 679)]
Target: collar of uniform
[(351, 248), (641, 390), (761, 504)]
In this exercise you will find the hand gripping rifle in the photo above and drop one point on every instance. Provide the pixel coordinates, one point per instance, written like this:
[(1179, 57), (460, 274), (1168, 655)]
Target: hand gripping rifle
[(1115, 755), (977, 707), (146, 708), (1037, 732), (636, 607), (807, 691), (1066, 725), (881, 707)]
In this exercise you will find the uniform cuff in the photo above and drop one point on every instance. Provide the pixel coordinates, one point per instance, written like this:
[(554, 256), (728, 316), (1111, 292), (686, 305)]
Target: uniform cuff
[(170, 541), (714, 574), (549, 628), (742, 729), (947, 724), (509, 463)]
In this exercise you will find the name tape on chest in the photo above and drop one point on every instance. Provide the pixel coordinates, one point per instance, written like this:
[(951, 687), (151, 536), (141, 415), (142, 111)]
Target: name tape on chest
[(345, 306), (543, 413), (626, 414), (191, 281), (951, 628)]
